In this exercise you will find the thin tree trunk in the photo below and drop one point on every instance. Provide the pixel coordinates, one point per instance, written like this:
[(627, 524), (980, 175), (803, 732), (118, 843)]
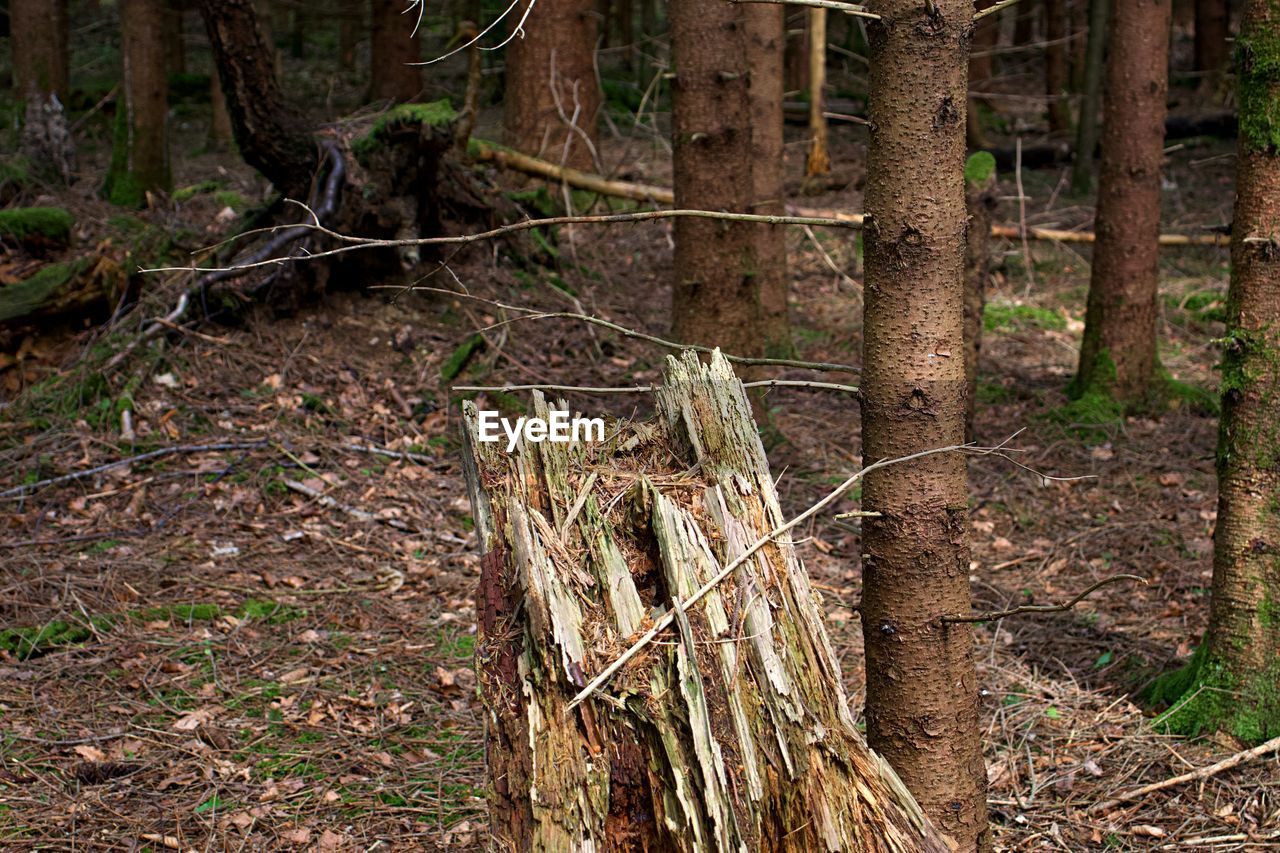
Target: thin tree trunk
[(1118, 354), (716, 296), (1211, 33), (766, 39), (552, 101), (626, 33), (922, 692), (393, 50), (1091, 99), (270, 137), (140, 149), (350, 24), (174, 37), (979, 202), (1024, 23), (731, 733), (1233, 683), (1055, 65), (986, 37), (41, 79), (220, 133), (819, 159)]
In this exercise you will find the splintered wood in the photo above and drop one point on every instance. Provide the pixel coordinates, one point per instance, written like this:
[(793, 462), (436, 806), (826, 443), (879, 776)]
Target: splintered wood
[(731, 731)]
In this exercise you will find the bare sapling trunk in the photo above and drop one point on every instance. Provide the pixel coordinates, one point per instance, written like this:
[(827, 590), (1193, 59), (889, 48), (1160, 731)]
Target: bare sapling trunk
[(731, 731), (766, 39), (1118, 354), (979, 202), (140, 149), (221, 135), (1233, 682), (716, 294), (819, 160), (922, 691), (986, 37), (552, 101), (1091, 97), (41, 77), (1056, 75), (393, 52)]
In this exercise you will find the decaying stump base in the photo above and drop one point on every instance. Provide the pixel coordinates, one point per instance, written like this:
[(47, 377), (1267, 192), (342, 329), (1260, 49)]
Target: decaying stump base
[(731, 731)]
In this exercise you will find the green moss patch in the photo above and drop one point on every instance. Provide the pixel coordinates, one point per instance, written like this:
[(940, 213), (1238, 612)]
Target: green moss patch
[(979, 168), (434, 114), (30, 294), (998, 316), (1257, 85), (52, 224), (1203, 697)]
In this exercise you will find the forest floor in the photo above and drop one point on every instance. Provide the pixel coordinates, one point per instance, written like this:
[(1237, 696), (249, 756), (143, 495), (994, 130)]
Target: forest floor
[(199, 654)]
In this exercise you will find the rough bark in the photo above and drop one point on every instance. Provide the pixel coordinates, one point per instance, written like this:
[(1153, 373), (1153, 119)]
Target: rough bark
[(716, 295), (979, 203), (922, 693), (1118, 354), (1056, 72), (1211, 34), (766, 39), (1091, 97), (270, 137), (819, 160), (41, 79), (731, 733), (552, 101), (393, 51), (1233, 683), (140, 149)]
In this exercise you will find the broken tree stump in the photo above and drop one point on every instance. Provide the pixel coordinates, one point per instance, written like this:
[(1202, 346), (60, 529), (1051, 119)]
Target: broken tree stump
[(731, 731)]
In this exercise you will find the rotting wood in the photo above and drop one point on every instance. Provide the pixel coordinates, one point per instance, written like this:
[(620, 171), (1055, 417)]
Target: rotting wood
[(662, 195), (733, 732)]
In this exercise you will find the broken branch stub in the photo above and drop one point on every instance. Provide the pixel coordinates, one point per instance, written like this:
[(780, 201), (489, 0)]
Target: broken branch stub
[(731, 731)]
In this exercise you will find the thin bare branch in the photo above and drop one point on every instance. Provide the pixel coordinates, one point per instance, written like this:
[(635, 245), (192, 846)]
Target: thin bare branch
[(641, 389), (991, 10), (1044, 608), (848, 8)]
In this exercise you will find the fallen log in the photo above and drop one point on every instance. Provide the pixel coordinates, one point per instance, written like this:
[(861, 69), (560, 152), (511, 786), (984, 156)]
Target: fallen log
[(661, 195), (732, 731)]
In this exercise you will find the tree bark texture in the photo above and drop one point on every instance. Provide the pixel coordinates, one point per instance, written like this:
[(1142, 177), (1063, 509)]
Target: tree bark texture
[(552, 101), (270, 137), (730, 733), (1056, 71), (1091, 98), (1244, 625), (1118, 354), (393, 50), (1211, 34), (716, 296), (40, 56), (979, 202), (922, 693), (140, 149), (766, 40)]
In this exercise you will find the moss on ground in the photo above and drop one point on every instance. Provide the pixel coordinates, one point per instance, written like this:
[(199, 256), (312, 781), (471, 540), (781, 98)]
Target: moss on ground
[(434, 114), (23, 223), (1203, 697), (25, 297), (979, 168), (997, 316)]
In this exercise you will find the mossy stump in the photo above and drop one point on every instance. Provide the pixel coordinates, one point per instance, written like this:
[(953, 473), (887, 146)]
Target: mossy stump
[(731, 731)]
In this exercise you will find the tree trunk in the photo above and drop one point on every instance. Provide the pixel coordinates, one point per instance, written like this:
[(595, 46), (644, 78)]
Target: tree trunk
[(552, 102), (270, 137), (1024, 23), (1118, 354), (220, 133), (1212, 32), (922, 692), (731, 733), (979, 203), (140, 149), (819, 160), (393, 51), (1091, 99), (766, 39), (1233, 682), (174, 37), (41, 79), (1055, 65), (350, 23), (716, 297), (986, 37)]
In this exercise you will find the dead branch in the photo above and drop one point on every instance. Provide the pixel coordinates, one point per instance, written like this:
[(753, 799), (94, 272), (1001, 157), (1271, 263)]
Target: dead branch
[(1043, 608), (1192, 775), (641, 389), (992, 9)]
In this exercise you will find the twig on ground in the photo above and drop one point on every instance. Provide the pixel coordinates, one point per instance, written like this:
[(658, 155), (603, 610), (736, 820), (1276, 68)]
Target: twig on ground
[(1044, 608), (1191, 776), (641, 389), (355, 512)]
